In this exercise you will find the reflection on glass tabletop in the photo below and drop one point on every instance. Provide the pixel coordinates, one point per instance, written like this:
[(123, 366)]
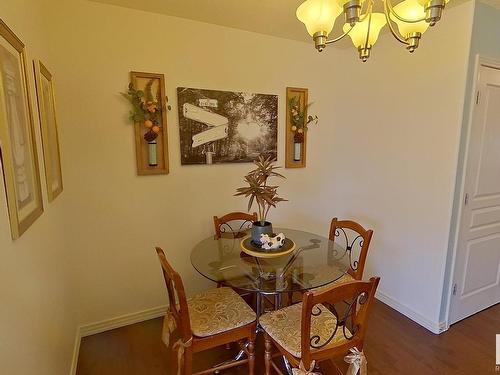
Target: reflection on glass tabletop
[(315, 261)]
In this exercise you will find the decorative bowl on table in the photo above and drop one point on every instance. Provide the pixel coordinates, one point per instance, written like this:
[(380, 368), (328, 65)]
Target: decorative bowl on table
[(249, 247)]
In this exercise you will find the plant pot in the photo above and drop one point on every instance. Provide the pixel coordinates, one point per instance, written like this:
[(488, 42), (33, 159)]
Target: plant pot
[(258, 229)]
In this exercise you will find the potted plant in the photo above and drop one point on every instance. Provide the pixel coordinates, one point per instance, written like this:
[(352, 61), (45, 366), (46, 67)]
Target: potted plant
[(263, 194)]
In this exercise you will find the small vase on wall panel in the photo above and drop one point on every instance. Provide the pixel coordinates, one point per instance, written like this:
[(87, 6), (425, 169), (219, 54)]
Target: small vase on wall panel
[(297, 151)]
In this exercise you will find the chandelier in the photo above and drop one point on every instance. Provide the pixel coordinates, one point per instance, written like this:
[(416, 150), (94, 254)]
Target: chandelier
[(363, 25)]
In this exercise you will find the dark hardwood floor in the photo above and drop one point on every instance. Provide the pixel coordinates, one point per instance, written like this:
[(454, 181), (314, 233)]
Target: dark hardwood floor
[(394, 345)]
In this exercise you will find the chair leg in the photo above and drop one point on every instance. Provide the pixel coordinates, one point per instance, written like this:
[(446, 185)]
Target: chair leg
[(251, 357), (188, 362), (268, 353)]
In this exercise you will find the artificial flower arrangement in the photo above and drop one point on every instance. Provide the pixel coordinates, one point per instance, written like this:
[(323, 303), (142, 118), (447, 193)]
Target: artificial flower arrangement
[(146, 110), (299, 122)]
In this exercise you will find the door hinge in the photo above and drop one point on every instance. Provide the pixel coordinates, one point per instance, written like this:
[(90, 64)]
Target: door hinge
[(454, 289), (466, 199), (477, 97)]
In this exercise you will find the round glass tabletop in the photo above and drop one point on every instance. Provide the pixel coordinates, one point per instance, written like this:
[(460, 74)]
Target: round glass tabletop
[(315, 261)]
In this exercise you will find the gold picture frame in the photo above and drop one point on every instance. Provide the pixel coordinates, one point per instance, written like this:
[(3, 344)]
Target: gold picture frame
[(18, 147), (48, 124)]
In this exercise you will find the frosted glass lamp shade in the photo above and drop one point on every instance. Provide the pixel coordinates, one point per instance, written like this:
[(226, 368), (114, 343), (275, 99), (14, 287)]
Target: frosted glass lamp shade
[(410, 10), (319, 15), (360, 30)]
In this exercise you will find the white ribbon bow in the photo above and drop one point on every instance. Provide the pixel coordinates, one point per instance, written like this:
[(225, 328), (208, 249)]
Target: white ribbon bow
[(181, 346), (302, 370), (169, 326), (357, 362)]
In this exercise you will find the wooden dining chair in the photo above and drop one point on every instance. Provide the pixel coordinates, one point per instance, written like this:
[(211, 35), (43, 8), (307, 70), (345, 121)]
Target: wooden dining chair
[(356, 246), (321, 327), (234, 224), (355, 240), (213, 318)]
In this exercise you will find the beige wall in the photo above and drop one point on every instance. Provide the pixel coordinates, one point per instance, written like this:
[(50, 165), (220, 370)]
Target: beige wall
[(37, 319), (384, 154)]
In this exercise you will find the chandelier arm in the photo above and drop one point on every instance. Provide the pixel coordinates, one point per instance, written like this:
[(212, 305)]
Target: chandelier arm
[(391, 27), (339, 37), (369, 9), (393, 12), (368, 32), (366, 14)]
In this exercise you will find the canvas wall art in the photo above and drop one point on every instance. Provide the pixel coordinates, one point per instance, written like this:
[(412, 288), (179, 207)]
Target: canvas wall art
[(225, 126), (48, 124), (18, 147)]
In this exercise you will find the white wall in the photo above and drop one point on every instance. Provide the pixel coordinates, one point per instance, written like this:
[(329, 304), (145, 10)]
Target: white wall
[(384, 153), (37, 319)]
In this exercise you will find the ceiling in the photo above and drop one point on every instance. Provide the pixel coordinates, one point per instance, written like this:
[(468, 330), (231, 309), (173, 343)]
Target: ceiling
[(271, 17), (493, 3)]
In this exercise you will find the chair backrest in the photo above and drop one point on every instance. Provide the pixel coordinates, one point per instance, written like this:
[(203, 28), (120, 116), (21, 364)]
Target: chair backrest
[(351, 304), (177, 303), (356, 245), (241, 222)]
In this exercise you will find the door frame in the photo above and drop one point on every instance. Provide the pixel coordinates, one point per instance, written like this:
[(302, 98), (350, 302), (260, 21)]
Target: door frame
[(479, 62)]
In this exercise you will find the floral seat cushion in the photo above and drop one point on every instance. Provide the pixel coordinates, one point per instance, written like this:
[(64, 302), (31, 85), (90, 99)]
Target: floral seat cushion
[(218, 310), (284, 327), (344, 279)]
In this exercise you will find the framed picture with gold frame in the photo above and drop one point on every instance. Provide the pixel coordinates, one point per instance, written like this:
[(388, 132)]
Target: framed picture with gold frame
[(17, 137), (48, 124)]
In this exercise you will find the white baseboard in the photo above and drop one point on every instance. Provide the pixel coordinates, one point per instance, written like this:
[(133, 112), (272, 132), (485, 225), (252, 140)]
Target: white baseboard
[(76, 351), (434, 327), (108, 324), (121, 321)]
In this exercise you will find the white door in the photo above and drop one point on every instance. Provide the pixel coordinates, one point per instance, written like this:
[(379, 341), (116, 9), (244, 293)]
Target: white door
[(477, 266)]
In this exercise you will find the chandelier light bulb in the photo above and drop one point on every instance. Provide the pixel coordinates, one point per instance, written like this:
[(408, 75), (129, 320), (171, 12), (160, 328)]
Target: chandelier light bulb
[(412, 31), (359, 33)]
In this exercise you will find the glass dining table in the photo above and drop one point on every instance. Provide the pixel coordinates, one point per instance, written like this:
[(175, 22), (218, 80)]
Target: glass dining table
[(314, 262)]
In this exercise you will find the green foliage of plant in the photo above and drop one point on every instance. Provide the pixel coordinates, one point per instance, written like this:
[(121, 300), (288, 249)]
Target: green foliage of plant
[(258, 190), (142, 102), (298, 114)]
